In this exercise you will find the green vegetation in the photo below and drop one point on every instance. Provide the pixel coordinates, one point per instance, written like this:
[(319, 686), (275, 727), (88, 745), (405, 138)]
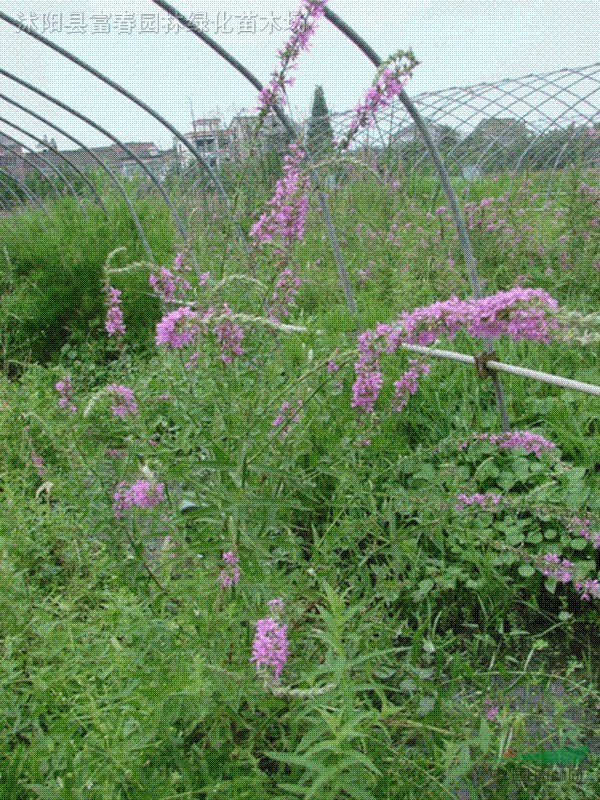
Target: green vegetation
[(319, 134), (416, 628)]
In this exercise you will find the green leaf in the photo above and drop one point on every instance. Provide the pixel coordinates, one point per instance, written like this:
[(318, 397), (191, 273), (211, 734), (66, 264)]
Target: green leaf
[(566, 756), (526, 570)]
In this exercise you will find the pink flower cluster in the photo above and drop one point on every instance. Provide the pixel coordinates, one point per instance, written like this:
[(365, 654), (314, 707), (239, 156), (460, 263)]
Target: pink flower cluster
[(65, 390), (124, 400), (302, 28), (364, 273), (387, 85), (169, 286), (369, 378), (270, 645), (562, 571), (183, 326), (554, 567), (526, 440), (113, 452), (229, 335), (230, 574), (582, 527), (485, 501), (141, 494), (178, 327), (114, 324), (288, 414), (38, 463), (286, 288), (288, 207), (588, 588), (520, 313), (407, 385), (491, 710)]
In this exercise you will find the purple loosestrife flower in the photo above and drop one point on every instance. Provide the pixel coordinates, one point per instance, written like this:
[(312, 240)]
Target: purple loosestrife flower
[(38, 463), (588, 589), (65, 390), (140, 494), (178, 328), (491, 710), (163, 284), (519, 313), (528, 441), (229, 335), (563, 571), (288, 207), (230, 574), (387, 85), (302, 28), (112, 452), (582, 527), (288, 414), (270, 645), (286, 288), (553, 567), (364, 273), (114, 324), (482, 500), (407, 385), (124, 401), (169, 286)]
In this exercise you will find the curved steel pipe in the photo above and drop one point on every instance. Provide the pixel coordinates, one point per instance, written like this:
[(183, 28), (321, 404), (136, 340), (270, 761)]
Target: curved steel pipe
[(26, 191), (180, 226), (42, 158), (65, 158), (140, 103), (93, 156)]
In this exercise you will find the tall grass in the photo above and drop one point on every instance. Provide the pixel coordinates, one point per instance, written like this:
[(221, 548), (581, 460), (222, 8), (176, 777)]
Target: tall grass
[(126, 662)]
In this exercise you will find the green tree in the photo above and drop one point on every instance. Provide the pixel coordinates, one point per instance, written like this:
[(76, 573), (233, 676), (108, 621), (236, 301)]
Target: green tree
[(320, 132)]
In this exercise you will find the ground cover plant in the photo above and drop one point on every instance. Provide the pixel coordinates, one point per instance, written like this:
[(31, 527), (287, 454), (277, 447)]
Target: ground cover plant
[(251, 547)]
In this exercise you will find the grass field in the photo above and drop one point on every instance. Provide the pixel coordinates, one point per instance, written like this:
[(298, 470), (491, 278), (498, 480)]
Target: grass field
[(418, 625)]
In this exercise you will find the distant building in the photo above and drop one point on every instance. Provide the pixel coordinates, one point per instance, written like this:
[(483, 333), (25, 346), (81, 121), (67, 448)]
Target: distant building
[(209, 138), (243, 135), (11, 158), (115, 158), (410, 133)]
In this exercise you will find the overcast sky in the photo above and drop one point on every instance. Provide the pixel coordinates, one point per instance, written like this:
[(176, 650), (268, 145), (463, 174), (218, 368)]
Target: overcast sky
[(458, 43)]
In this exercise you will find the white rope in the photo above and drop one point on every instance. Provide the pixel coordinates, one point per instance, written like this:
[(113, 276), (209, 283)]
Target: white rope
[(497, 366)]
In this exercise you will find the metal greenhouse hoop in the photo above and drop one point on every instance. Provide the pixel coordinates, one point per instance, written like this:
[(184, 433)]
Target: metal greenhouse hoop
[(44, 160), (141, 104)]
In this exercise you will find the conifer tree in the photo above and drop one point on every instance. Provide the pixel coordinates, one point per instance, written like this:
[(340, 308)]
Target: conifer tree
[(320, 132)]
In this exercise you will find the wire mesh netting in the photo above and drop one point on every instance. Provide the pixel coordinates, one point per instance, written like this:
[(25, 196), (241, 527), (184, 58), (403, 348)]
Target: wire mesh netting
[(536, 122)]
